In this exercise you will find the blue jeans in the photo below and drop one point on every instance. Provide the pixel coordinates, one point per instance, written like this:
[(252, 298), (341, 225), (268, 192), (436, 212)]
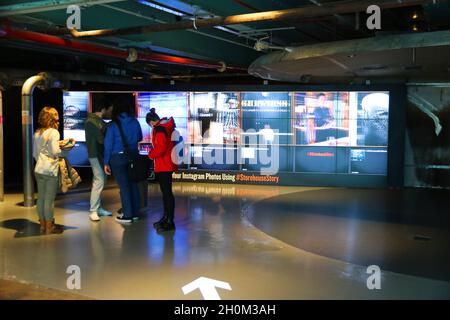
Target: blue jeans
[(98, 183), (129, 192), (47, 190)]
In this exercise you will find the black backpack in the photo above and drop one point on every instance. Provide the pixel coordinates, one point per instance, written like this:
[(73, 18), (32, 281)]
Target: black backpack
[(139, 166)]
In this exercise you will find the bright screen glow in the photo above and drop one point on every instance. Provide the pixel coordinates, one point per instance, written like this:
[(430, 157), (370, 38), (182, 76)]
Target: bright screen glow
[(343, 132)]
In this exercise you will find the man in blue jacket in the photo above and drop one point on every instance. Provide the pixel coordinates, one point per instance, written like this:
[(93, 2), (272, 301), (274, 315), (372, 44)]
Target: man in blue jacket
[(116, 157)]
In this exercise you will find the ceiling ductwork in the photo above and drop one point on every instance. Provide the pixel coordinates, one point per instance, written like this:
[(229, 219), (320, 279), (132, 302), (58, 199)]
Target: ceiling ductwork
[(404, 55)]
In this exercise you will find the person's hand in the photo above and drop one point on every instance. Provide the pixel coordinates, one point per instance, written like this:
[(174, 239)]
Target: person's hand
[(107, 170)]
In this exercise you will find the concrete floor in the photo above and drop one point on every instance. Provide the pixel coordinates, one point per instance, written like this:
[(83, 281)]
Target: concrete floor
[(213, 239), (18, 290)]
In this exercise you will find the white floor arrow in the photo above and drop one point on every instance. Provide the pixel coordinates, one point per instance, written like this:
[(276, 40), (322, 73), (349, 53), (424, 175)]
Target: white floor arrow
[(207, 287)]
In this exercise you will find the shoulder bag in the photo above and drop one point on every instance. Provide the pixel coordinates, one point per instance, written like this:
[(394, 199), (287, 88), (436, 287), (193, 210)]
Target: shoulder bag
[(138, 165)]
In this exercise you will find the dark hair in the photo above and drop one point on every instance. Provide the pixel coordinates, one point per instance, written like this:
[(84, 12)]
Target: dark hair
[(98, 104), (97, 107), (152, 116), (123, 104), (321, 95)]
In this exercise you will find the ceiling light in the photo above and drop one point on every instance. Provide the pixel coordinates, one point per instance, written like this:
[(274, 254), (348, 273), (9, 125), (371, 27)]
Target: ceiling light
[(158, 7)]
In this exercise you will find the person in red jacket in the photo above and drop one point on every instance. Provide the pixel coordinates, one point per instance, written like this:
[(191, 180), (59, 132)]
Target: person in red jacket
[(161, 153)]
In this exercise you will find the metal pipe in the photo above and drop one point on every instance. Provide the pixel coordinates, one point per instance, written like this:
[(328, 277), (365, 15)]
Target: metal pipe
[(2, 175), (132, 54), (153, 19), (340, 7), (27, 137)]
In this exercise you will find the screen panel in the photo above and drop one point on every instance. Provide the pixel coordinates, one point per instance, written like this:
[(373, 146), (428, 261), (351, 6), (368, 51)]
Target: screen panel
[(342, 132), (75, 109)]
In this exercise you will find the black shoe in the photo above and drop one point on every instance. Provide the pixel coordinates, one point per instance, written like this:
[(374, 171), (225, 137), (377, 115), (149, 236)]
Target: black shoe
[(124, 220), (166, 226), (160, 222)]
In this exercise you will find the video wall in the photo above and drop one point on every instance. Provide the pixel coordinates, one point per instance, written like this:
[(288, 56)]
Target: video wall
[(320, 132)]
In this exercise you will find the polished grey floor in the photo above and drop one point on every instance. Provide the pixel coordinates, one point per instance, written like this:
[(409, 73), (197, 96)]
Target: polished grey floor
[(248, 236), (405, 231)]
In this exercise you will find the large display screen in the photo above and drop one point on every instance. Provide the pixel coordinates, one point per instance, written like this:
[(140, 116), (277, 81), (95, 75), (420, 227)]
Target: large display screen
[(76, 106), (264, 133), (75, 109)]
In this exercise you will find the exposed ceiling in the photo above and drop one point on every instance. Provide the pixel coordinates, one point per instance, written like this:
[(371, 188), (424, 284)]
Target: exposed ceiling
[(230, 45)]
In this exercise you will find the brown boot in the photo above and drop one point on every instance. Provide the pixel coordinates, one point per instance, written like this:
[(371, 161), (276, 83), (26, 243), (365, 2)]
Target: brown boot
[(52, 228), (42, 229)]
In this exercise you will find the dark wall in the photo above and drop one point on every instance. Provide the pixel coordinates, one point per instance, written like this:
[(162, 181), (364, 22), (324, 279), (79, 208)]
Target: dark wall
[(428, 153), (12, 138), (12, 109), (396, 145)]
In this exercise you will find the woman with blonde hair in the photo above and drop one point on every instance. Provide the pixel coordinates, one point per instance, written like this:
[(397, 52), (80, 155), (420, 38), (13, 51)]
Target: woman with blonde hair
[(46, 149)]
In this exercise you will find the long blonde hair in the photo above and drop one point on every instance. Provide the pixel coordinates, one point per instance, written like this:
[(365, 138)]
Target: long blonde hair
[(48, 118)]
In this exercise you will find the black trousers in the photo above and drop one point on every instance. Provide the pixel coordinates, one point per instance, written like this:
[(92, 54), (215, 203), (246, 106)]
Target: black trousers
[(165, 184)]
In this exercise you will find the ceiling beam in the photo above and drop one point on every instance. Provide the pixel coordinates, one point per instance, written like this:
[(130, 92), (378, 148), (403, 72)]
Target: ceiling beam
[(46, 5), (278, 15)]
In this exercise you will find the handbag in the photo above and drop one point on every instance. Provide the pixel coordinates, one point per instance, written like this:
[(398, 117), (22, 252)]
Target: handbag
[(46, 164), (138, 165)]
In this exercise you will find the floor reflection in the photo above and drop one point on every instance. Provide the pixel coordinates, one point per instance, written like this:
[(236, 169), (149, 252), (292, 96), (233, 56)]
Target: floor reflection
[(364, 227), (214, 239)]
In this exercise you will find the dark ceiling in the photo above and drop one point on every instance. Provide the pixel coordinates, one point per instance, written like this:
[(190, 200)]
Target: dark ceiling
[(232, 44)]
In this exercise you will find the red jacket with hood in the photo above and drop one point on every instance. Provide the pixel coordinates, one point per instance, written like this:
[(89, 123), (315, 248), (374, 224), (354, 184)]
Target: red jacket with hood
[(163, 145)]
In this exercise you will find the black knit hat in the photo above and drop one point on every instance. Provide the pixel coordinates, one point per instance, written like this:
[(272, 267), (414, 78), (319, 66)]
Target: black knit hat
[(152, 116)]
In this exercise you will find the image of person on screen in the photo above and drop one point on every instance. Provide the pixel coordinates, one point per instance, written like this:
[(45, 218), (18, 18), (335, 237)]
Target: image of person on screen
[(95, 128), (322, 113), (161, 153), (375, 108), (229, 119), (121, 144)]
